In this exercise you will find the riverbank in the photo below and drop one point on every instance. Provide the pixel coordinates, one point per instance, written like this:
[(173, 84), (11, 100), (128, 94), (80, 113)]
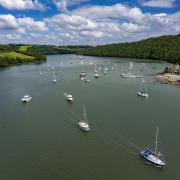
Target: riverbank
[(168, 78)]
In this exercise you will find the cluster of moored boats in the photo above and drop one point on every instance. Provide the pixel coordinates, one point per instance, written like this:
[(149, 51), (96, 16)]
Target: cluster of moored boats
[(152, 157)]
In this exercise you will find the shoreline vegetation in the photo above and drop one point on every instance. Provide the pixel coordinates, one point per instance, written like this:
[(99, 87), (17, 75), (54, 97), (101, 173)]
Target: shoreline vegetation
[(171, 75), (166, 48), (14, 54)]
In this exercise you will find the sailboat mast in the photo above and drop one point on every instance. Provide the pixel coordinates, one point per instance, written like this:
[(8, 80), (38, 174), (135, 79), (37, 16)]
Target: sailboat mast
[(156, 142), (85, 115)]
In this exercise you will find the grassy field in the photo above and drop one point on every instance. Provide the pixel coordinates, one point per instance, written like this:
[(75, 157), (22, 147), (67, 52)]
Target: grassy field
[(16, 55), (24, 48)]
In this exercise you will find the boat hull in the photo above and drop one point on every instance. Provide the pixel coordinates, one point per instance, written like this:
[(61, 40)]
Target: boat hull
[(84, 128), (142, 94), (154, 160)]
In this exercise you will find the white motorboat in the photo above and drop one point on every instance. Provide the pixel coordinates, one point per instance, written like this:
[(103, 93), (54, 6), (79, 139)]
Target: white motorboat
[(83, 123), (26, 98), (69, 98), (143, 94)]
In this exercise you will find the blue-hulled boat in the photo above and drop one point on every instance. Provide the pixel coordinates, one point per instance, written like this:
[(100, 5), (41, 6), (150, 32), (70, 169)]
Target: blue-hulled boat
[(153, 157)]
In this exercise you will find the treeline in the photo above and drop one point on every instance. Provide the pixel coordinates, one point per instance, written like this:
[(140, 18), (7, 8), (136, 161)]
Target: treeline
[(50, 49), (165, 48)]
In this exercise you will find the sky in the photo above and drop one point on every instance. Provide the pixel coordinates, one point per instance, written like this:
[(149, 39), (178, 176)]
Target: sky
[(86, 22)]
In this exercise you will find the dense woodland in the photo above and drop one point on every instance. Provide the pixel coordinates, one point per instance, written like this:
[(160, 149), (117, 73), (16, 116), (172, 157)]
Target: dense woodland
[(165, 48)]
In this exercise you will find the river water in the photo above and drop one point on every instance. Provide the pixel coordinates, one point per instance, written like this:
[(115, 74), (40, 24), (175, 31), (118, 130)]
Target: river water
[(41, 140)]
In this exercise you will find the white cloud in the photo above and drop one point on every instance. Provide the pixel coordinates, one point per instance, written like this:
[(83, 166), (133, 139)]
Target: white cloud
[(29, 24), (21, 4), (20, 25), (8, 22), (63, 5), (90, 25), (114, 11), (96, 34), (159, 3)]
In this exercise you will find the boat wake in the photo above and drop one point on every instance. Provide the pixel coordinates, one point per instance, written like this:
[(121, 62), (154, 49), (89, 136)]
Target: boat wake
[(65, 94), (119, 141)]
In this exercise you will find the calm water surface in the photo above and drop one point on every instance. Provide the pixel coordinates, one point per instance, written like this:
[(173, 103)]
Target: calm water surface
[(40, 140)]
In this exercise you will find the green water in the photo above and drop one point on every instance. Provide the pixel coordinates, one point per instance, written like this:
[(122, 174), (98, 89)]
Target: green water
[(40, 140)]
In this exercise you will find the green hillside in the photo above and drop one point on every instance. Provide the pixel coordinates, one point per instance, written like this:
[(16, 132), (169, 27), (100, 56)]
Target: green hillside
[(14, 54), (165, 48)]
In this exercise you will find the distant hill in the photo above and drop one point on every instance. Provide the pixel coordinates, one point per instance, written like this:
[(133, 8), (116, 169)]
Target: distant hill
[(22, 53), (165, 48)]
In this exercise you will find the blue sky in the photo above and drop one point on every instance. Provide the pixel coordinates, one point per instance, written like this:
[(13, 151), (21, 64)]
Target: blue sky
[(92, 22)]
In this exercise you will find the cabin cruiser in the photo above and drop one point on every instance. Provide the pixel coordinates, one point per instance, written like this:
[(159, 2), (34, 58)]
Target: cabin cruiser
[(143, 94), (69, 98), (26, 98)]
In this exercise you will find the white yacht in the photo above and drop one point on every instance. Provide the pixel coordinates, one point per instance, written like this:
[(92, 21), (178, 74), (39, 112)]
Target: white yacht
[(143, 90), (96, 75), (130, 65), (26, 98), (69, 98), (153, 157), (83, 123), (82, 75), (54, 80), (143, 94)]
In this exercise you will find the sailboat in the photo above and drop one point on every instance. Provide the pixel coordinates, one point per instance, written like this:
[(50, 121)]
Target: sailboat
[(143, 90), (130, 65), (96, 75), (153, 157), (54, 80), (83, 123)]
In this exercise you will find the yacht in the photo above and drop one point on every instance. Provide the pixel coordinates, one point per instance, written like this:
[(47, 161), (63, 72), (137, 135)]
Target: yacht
[(130, 65), (153, 157), (54, 80), (96, 75), (82, 75), (143, 94), (26, 98), (143, 90), (83, 123), (69, 98)]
